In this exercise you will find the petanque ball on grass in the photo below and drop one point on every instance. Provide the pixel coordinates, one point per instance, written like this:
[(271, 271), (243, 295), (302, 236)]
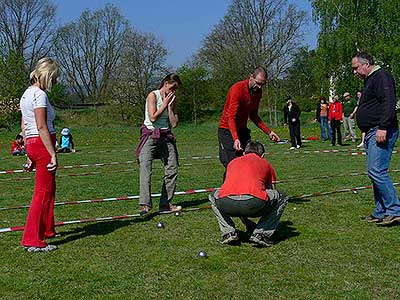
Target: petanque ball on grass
[(202, 254), (177, 214), (160, 225), (355, 192)]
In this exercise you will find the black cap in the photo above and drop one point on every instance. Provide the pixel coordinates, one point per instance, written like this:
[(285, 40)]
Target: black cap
[(288, 98)]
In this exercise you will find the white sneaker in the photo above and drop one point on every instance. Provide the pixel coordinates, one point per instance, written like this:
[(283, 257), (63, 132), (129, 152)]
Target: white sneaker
[(360, 145), (292, 148), (48, 248), (298, 146)]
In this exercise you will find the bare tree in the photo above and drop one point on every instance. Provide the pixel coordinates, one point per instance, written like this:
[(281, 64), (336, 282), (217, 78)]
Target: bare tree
[(27, 28), (89, 50), (253, 32), (141, 67)]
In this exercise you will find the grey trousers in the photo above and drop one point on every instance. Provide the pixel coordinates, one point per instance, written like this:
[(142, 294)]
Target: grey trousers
[(269, 211), (166, 150), (349, 128)]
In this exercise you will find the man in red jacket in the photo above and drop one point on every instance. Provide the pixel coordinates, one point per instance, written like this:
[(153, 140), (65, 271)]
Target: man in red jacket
[(242, 103), (335, 117), (248, 191)]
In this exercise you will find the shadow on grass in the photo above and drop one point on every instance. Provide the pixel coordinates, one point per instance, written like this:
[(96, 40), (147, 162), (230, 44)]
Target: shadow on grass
[(298, 200), (284, 232), (101, 228)]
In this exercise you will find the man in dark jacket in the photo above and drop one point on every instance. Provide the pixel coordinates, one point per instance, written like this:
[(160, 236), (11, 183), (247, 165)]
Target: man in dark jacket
[(376, 116), (291, 115)]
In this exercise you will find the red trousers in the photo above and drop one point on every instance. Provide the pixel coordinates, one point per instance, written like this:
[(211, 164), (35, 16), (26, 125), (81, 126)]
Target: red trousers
[(40, 221)]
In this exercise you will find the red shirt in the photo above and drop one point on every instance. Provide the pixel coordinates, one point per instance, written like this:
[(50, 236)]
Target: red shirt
[(248, 175), (240, 104), (15, 146), (335, 111)]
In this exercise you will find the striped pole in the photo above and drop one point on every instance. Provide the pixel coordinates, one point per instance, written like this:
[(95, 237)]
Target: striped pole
[(123, 198), (110, 218)]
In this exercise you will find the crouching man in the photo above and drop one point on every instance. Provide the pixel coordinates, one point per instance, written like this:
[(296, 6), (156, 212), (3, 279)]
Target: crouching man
[(249, 191)]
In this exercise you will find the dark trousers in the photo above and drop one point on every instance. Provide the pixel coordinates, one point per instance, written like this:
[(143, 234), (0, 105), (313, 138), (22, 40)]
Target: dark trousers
[(225, 140), (294, 130), (335, 125)]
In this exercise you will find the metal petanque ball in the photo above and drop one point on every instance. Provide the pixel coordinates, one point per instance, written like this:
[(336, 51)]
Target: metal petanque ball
[(355, 192), (202, 253), (177, 214), (160, 225)]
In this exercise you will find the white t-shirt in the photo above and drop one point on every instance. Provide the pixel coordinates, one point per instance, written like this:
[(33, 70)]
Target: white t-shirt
[(34, 98)]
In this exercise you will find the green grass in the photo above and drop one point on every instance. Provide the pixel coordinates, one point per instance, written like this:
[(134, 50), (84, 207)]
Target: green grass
[(323, 250)]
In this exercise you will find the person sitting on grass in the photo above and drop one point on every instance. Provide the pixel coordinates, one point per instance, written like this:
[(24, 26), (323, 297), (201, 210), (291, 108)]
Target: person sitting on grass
[(17, 146), (66, 142), (249, 191)]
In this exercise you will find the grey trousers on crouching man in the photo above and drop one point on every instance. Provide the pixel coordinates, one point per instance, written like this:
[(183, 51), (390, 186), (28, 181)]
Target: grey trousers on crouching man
[(166, 150), (269, 211)]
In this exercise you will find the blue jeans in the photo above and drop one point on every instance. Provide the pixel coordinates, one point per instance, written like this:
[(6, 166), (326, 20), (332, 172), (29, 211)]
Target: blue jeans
[(378, 160), (323, 124)]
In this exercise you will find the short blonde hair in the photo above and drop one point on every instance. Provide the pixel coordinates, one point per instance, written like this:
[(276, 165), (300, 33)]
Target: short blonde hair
[(46, 71)]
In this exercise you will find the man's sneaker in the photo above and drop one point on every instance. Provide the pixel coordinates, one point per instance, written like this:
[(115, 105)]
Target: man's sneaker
[(170, 207), (260, 240), (292, 148), (372, 219), (144, 209), (390, 220), (298, 146), (230, 238), (48, 248)]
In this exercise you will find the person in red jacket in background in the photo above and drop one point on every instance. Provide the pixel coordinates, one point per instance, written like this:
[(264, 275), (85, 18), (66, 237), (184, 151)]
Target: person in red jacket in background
[(242, 103), (17, 146), (249, 191), (335, 120)]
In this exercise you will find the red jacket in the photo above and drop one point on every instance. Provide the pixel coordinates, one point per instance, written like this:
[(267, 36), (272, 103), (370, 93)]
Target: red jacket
[(240, 105), (248, 175), (335, 111)]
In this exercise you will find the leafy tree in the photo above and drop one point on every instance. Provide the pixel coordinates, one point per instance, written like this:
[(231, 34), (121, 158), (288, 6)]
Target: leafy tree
[(351, 25), (13, 78), (253, 32)]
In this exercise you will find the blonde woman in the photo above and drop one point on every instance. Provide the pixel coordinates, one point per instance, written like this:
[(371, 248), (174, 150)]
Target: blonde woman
[(40, 137)]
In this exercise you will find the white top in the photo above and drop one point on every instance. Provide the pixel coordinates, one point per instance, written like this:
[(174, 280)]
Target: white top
[(34, 98), (162, 121)]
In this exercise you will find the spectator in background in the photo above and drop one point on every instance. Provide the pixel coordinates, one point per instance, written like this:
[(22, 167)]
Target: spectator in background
[(321, 116), (376, 116), (17, 146), (349, 110), (335, 119), (361, 144), (291, 116), (66, 142)]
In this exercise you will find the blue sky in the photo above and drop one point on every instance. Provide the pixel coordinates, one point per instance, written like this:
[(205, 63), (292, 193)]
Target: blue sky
[(180, 24)]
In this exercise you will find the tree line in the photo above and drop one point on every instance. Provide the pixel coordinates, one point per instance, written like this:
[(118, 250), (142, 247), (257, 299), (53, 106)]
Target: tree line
[(104, 59)]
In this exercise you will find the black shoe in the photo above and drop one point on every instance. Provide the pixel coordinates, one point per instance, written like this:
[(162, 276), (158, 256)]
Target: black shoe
[(372, 219), (231, 238), (390, 220), (261, 240)]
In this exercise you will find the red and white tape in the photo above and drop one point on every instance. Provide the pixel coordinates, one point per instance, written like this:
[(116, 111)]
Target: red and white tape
[(123, 198)]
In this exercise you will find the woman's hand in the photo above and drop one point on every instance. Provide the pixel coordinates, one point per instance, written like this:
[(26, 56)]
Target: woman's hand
[(52, 166)]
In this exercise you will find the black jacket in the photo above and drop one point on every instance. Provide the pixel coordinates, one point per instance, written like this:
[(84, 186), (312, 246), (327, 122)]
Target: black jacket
[(377, 107), (294, 113)]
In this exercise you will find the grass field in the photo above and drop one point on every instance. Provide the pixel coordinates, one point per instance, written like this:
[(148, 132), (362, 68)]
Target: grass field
[(323, 250)]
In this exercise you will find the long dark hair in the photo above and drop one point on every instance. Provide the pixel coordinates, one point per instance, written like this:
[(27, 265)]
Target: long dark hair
[(171, 78)]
